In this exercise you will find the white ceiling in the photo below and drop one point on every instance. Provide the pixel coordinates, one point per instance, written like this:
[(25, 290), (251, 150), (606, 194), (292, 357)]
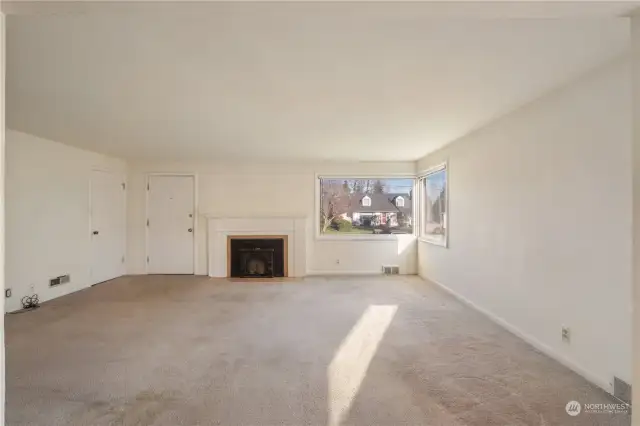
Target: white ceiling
[(365, 81)]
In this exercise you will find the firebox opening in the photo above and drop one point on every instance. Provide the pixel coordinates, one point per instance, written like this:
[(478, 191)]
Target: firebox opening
[(257, 257)]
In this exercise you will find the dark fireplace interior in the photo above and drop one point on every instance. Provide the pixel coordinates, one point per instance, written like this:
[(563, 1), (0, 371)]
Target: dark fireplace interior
[(257, 257)]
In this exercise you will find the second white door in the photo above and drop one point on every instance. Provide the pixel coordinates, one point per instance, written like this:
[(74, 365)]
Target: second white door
[(170, 226), (108, 226)]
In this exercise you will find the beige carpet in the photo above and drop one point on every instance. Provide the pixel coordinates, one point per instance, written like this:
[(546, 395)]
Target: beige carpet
[(164, 350)]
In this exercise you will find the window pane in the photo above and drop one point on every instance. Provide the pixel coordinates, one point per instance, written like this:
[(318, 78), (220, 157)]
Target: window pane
[(366, 206), (435, 206)]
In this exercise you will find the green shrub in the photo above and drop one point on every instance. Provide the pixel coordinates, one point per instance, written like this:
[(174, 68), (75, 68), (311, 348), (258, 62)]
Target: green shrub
[(342, 225)]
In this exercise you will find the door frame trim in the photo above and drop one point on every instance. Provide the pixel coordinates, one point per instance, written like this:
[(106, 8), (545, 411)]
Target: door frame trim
[(123, 177), (148, 177)]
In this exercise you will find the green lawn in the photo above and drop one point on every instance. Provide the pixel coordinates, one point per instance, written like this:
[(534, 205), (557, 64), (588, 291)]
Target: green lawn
[(352, 231)]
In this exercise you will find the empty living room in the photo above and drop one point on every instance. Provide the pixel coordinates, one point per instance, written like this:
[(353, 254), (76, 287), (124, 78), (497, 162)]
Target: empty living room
[(322, 213)]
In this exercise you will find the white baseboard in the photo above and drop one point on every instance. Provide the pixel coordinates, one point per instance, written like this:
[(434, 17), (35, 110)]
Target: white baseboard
[(598, 381), (320, 273)]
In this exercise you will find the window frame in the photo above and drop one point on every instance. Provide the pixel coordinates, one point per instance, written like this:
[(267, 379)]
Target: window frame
[(363, 237), (421, 184)]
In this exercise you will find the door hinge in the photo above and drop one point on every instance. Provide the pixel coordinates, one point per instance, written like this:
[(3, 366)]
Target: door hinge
[(122, 259), (147, 259), (124, 186), (147, 222), (147, 187)]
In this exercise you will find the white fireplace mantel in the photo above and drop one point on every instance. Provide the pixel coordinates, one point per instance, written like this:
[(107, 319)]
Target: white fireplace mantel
[(220, 228)]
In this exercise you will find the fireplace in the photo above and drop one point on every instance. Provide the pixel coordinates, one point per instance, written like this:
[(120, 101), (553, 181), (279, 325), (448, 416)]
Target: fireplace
[(292, 229), (257, 256)]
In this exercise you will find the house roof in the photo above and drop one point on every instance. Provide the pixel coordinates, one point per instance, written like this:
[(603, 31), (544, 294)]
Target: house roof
[(383, 203), (380, 203)]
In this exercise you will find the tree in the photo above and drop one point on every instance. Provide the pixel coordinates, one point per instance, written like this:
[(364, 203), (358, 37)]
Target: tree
[(336, 201), (439, 206), (356, 186), (378, 187), (359, 186)]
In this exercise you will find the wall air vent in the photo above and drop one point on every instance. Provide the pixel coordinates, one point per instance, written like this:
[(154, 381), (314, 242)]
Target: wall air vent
[(62, 279), (390, 269)]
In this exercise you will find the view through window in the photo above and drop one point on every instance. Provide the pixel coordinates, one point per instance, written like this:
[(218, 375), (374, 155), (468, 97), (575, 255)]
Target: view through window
[(434, 185), (351, 206)]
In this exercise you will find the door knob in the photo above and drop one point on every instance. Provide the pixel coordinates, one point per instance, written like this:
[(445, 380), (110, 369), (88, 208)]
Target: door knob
[(190, 230), (96, 232)]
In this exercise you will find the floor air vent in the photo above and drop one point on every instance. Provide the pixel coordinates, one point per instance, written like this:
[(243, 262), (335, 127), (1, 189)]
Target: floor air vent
[(622, 390), (390, 269)]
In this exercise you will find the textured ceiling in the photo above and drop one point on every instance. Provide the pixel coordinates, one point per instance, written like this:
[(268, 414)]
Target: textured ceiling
[(315, 80)]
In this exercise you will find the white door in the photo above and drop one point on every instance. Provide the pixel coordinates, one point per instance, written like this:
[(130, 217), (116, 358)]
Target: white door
[(108, 226), (170, 225)]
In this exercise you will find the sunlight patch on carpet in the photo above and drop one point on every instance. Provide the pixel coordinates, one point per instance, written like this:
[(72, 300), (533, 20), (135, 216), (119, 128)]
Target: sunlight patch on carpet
[(351, 361)]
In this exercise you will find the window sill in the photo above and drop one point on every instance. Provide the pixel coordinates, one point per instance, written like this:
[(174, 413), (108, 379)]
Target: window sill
[(432, 242), (383, 237)]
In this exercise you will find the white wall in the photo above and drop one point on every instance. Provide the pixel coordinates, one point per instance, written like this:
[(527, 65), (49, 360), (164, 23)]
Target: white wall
[(635, 57), (2, 213), (540, 222), (241, 189), (47, 215)]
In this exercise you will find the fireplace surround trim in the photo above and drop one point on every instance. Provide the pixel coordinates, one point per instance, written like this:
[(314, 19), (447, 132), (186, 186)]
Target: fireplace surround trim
[(219, 227)]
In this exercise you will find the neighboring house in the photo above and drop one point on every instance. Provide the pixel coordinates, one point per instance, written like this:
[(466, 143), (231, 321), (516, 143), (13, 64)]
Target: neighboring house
[(373, 210), (391, 210)]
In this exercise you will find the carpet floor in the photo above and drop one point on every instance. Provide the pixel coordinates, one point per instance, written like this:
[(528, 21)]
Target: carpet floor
[(184, 350)]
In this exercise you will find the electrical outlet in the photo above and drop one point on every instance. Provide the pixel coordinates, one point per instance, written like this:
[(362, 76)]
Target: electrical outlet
[(32, 289), (566, 334), (7, 293), (337, 261)]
